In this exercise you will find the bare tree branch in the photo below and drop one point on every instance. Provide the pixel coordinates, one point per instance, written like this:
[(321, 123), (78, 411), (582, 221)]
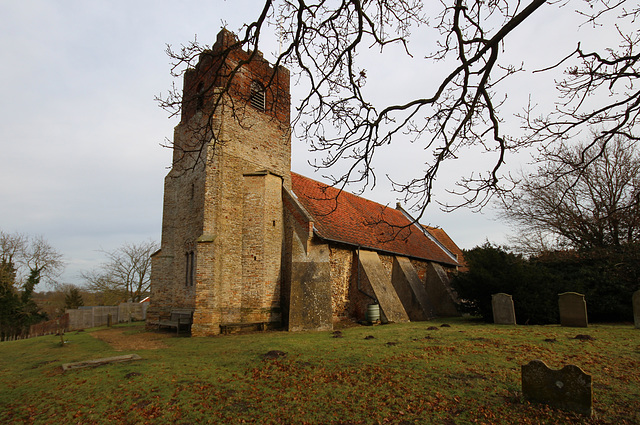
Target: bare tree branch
[(126, 275), (31, 254), (599, 209), (337, 118)]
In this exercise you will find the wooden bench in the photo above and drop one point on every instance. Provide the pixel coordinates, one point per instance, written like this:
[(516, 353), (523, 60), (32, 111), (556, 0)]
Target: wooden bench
[(178, 317)]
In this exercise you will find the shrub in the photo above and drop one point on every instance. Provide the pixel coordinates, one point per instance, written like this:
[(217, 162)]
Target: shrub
[(607, 278)]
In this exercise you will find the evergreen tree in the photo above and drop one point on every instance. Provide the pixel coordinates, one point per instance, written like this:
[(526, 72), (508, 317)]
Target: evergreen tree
[(30, 313), (607, 277), (18, 310), (9, 300), (73, 299)]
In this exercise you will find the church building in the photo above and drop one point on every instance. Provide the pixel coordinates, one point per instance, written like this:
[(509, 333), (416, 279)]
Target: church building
[(248, 243)]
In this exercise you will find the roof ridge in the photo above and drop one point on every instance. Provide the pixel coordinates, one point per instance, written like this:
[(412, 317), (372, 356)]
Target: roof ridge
[(343, 191)]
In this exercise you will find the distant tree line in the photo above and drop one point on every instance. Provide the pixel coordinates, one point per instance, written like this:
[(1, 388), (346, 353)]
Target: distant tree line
[(25, 261)]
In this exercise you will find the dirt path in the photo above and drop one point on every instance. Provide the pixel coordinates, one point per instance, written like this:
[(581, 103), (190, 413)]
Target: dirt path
[(117, 338)]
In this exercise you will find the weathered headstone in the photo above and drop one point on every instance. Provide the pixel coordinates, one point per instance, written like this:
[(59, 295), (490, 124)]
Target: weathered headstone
[(573, 310), (100, 362), (568, 388), (503, 311), (636, 308)]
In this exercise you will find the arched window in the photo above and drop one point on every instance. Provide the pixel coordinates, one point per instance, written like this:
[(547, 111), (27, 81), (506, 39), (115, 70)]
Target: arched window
[(200, 96), (190, 269), (257, 97)]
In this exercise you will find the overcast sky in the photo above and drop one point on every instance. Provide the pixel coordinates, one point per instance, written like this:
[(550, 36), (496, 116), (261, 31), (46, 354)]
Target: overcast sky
[(81, 161)]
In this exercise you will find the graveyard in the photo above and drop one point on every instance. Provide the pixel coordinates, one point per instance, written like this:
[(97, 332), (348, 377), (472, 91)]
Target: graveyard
[(446, 371)]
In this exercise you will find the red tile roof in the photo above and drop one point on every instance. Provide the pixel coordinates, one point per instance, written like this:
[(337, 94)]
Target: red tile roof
[(347, 218), (445, 240)]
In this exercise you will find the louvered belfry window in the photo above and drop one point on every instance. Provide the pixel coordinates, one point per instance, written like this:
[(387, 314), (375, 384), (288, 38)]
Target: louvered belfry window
[(257, 97)]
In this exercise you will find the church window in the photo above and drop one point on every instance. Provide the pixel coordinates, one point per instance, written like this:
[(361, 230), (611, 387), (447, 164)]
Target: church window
[(189, 268), (257, 97), (200, 96)]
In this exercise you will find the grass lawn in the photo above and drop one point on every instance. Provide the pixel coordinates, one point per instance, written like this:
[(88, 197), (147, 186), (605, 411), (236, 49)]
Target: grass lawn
[(397, 374)]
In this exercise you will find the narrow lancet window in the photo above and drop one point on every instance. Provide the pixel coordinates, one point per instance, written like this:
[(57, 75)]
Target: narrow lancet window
[(190, 266), (200, 96)]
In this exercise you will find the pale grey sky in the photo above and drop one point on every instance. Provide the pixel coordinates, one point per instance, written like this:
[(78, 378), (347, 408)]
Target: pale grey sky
[(81, 161)]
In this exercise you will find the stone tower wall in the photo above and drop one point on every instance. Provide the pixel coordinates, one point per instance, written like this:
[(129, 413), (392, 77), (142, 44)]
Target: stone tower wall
[(223, 196), (239, 270), (182, 224)]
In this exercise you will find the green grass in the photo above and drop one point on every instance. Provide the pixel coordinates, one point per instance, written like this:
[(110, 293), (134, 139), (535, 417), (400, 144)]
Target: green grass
[(406, 374)]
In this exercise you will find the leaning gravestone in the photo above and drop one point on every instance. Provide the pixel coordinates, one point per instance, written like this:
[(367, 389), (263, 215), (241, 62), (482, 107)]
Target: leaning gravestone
[(568, 388), (503, 311), (636, 308), (573, 310)]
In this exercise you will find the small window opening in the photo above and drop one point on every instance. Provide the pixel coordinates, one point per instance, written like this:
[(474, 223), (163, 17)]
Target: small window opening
[(257, 97), (200, 96), (190, 268)]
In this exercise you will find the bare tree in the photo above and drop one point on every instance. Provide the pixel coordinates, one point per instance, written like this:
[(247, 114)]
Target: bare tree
[(23, 262), (31, 254), (611, 75), (321, 41), (593, 206), (126, 274)]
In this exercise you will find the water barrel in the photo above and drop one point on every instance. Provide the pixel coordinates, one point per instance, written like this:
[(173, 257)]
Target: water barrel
[(373, 312)]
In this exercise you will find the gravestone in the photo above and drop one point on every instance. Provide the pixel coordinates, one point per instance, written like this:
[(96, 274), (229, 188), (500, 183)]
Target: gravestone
[(568, 388), (100, 362), (636, 308), (573, 310), (503, 311)]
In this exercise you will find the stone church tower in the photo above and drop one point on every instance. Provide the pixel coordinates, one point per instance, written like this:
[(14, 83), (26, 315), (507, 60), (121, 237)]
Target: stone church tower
[(222, 229), (247, 244)]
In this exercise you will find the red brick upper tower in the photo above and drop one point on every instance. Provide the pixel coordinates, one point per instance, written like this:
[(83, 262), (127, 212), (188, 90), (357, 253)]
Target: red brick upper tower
[(241, 74)]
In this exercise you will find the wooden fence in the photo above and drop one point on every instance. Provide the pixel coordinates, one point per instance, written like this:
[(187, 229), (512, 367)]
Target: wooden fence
[(90, 317), (49, 327), (85, 317)]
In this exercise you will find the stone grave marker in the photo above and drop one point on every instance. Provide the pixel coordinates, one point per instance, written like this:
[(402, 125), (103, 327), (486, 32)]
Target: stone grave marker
[(503, 311), (636, 308), (100, 362), (568, 388), (573, 310)]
